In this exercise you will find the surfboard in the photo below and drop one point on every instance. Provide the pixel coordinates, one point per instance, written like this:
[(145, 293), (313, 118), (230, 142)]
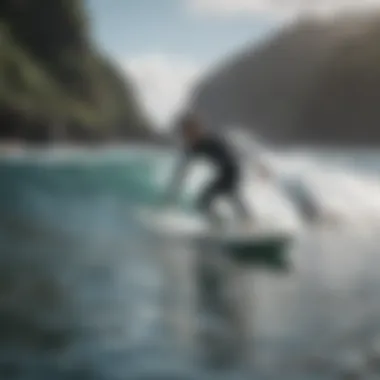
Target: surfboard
[(174, 223), (251, 243)]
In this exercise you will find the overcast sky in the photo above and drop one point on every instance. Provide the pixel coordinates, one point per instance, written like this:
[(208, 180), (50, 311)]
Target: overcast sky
[(165, 44)]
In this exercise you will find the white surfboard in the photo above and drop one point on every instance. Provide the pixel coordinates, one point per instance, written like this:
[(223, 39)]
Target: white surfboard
[(173, 223), (177, 224)]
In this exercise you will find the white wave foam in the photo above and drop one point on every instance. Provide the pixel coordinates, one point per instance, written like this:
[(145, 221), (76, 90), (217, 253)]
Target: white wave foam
[(348, 195), (302, 183), (301, 180)]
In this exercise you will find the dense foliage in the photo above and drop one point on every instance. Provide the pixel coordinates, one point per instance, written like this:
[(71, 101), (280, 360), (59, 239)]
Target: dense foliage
[(55, 84)]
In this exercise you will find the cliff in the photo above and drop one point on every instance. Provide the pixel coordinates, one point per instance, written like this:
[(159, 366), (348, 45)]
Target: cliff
[(313, 82), (54, 83)]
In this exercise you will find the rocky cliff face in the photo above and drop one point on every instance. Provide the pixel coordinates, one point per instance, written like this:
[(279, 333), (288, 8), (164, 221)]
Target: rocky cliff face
[(54, 84), (315, 82)]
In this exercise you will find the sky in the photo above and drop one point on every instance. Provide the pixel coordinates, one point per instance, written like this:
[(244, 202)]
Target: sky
[(165, 45)]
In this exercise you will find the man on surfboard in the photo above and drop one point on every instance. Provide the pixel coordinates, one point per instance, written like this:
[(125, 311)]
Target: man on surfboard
[(198, 142)]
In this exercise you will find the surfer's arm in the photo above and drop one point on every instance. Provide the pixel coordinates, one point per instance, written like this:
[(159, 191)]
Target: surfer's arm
[(178, 177)]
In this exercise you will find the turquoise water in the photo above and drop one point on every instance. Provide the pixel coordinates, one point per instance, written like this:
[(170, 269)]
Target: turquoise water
[(78, 274), (86, 291)]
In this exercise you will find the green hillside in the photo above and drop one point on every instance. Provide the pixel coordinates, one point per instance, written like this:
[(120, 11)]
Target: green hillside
[(54, 83)]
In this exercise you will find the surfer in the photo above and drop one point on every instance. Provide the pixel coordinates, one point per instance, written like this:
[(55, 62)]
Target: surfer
[(198, 142)]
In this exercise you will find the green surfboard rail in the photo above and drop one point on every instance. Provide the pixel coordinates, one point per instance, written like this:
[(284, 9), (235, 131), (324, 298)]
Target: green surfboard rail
[(270, 253)]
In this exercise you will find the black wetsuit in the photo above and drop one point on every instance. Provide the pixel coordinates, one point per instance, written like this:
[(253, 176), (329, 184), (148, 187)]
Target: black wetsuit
[(217, 151)]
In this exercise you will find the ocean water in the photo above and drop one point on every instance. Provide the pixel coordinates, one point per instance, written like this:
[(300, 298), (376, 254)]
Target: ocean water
[(87, 292)]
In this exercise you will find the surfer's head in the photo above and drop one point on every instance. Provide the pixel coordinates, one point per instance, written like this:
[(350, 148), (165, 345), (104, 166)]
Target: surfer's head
[(191, 128)]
